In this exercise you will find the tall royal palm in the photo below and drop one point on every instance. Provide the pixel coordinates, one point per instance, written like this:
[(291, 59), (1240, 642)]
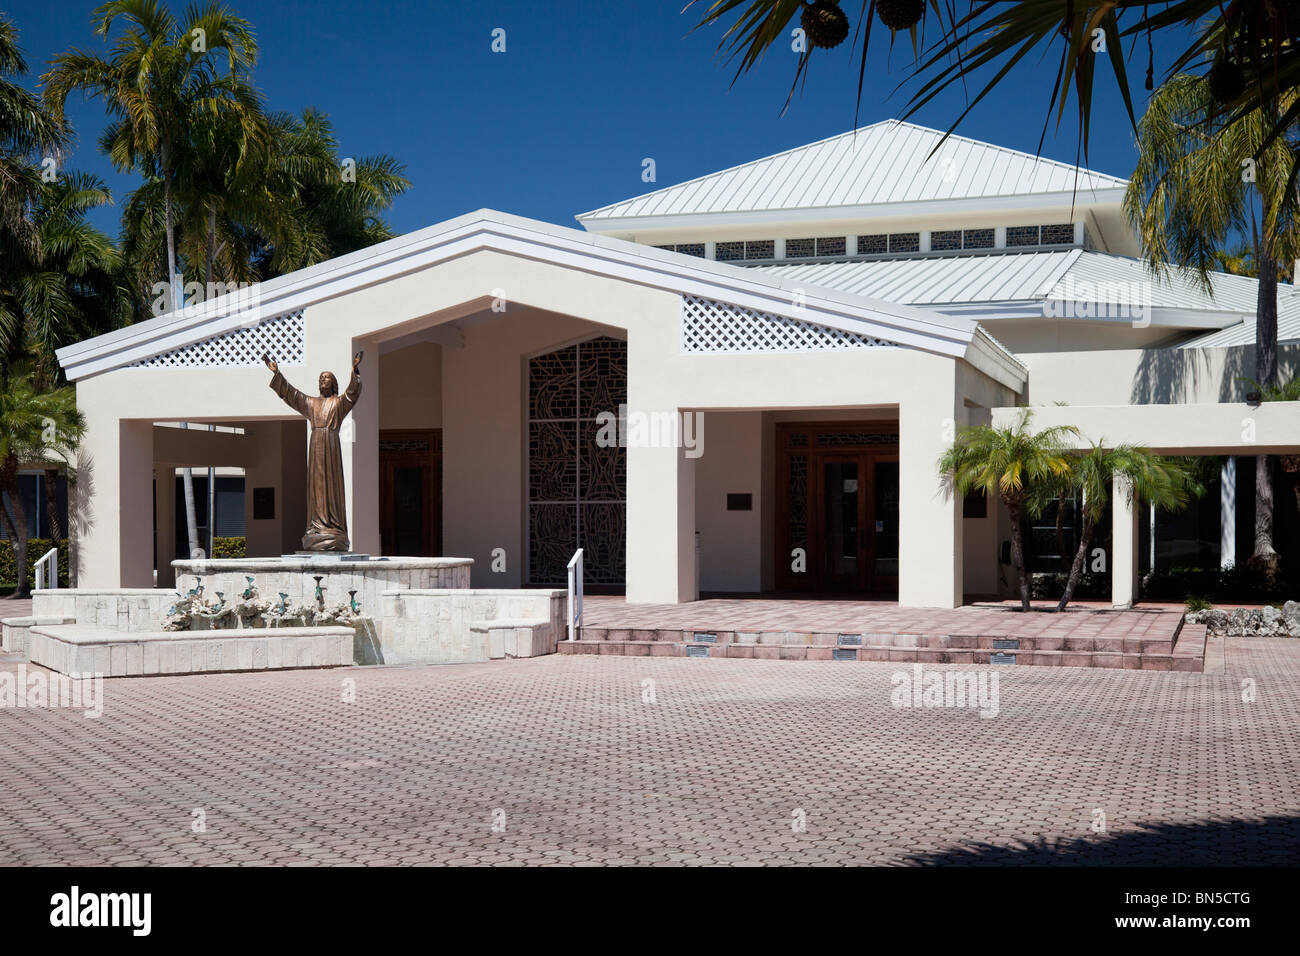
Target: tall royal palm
[(161, 75), (1198, 184)]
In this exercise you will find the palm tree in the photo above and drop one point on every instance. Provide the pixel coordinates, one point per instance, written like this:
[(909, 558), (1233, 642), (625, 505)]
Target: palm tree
[(1245, 43), (1010, 463), (161, 79), (1197, 184), (63, 286), (35, 426), (1164, 482), (27, 129)]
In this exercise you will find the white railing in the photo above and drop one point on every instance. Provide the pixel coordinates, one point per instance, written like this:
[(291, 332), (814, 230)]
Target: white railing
[(47, 566), (575, 594)]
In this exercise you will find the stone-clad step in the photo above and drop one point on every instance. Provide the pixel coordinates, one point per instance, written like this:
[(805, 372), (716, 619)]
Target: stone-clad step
[(1185, 653)]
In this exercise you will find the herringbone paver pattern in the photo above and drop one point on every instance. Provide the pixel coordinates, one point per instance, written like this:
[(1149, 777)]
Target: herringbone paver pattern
[(615, 760)]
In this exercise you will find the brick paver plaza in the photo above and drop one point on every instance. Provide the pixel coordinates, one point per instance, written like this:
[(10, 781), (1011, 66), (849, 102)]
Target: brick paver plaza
[(616, 760)]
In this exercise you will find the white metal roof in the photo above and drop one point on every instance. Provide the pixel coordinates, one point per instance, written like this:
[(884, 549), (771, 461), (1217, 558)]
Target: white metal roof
[(570, 248), (1027, 277), (1243, 332), (887, 162)]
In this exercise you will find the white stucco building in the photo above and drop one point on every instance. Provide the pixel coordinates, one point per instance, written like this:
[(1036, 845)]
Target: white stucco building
[(829, 314)]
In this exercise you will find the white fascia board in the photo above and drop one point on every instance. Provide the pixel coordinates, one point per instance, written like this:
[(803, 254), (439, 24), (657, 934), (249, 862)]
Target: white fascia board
[(992, 358), (1082, 199), (902, 324)]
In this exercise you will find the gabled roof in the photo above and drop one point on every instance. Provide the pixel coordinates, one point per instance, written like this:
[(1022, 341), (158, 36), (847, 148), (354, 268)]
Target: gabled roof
[(569, 248), (887, 162), (1030, 279)]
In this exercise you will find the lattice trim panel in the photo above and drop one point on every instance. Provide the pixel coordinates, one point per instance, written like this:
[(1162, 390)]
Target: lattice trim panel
[(709, 326), (281, 337)]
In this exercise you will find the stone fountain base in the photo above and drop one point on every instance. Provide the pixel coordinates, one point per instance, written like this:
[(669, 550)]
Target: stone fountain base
[(294, 575)]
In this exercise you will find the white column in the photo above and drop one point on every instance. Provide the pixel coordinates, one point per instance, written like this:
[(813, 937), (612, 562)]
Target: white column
[(660, 526), (929, 518), (164, 477), (360, 447), (1124, 544), (114, 513), (1228, 513)]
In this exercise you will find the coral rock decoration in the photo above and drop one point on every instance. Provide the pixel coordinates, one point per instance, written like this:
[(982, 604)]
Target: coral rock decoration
[(1226, 80), (824, 23), (900, 14)]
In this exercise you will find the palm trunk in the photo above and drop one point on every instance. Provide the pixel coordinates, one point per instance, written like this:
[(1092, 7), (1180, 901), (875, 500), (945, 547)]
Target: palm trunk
[(1060, 533), (1080, 557), (52, 504), (1018, 552), (15, 523), (187, 475), (1264, 557)]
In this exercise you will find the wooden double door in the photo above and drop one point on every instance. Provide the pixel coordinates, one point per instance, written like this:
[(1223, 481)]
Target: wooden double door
[(838, 490), (410, 492)]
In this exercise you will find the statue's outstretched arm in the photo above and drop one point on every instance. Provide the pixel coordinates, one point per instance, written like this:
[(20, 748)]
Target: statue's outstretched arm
[(353, 391), (280, 385)]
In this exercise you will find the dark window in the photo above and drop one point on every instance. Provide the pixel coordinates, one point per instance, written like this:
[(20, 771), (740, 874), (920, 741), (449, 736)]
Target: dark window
[(872, 245), (830, 246), (761, 249), (904, 242), (977, 239), (1022, 235), (729, 251), (1061, 234), (800, 248), (945, 240)]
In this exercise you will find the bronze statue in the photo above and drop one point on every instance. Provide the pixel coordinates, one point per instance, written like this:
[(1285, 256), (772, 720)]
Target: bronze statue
[(327, 516)]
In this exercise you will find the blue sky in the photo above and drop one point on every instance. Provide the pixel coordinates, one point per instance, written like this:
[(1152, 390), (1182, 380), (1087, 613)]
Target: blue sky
[(561, 122)]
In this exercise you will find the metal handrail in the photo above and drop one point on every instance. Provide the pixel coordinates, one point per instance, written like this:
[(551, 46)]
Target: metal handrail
[(47, 565), (575, 592)]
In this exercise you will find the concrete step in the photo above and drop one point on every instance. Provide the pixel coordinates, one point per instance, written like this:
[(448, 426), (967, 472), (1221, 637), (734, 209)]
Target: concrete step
[(955, 642), (1157, 660)]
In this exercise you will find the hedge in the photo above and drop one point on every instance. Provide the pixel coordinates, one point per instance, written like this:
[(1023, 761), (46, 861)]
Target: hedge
[(228, 547), (35, 548)]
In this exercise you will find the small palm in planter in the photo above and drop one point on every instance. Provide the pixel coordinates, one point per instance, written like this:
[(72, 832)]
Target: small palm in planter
[(1166, 483), (1009, 463)]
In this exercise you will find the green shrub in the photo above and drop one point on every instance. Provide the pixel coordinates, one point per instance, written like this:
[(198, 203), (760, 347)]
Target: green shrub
[(35, 548), (228, 548), (1194, 603)]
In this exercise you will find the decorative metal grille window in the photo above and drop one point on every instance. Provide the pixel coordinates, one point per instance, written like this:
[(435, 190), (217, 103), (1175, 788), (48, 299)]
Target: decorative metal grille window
[(977, 239), (945, 240), (761, 249), (709, 326), (281, 337), (729, 251), (904, 242), (834, 439), (800, 248), (872, 245), (1061, 234), (830, 246), (577, 490), (686, 248), (1022, 235)]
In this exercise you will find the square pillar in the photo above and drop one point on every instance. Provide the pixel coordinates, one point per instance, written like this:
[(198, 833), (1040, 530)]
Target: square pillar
[(1228, 513), (359, 440), (114, 514), (1124, 544), (164, 484), (660, 526), (930, 565)]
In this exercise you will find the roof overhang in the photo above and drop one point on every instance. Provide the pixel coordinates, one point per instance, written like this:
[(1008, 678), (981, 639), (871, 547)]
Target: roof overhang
[(599, 221), (569, 248)]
